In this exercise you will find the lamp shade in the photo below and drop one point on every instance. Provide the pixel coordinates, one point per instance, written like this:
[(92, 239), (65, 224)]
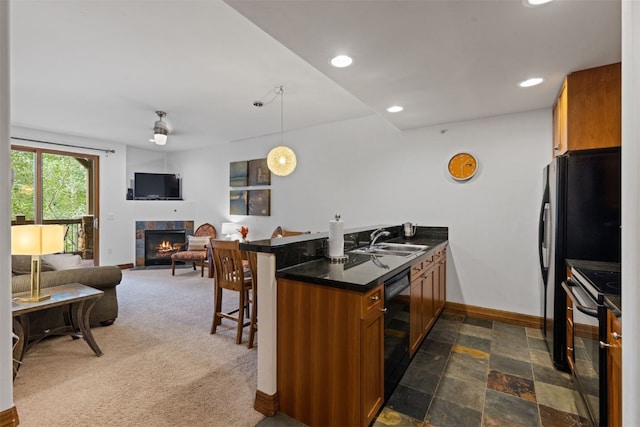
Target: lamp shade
[(37, 239), (229, 228), (281, 160)]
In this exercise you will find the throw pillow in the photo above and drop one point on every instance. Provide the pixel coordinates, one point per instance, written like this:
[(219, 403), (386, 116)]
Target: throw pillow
[(197, 243), (63, 261), (21, 264)]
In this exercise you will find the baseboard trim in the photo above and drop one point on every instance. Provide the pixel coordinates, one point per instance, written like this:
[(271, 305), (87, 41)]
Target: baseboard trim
[(491, 314), (9, 417), (125, 266), (266, 404), (585, 331)]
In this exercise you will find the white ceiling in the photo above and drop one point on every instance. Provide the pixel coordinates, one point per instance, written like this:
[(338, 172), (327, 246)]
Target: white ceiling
[(99, 69)]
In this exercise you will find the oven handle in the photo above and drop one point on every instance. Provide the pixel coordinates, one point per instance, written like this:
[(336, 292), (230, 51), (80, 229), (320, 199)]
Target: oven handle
[(572, 290)]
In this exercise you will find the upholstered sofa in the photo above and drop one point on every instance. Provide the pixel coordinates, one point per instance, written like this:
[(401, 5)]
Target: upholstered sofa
[(105, 278)]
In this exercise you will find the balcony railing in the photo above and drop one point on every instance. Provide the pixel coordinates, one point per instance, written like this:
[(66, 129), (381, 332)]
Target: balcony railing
[(78, 236)]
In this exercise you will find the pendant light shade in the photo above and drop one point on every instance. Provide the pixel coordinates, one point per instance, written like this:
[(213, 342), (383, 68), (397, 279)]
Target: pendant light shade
[(281, 160)]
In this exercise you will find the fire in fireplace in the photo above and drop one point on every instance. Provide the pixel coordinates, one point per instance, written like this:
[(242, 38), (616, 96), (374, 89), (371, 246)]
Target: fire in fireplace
[(159, 245)]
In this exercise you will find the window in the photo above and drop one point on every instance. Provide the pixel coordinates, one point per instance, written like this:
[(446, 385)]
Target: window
[(55, 187)]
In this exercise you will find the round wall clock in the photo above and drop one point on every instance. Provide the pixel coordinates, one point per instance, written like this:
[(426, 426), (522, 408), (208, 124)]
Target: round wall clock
[(462, 166)]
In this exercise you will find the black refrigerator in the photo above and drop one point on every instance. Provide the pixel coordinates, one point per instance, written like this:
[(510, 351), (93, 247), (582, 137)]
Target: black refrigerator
[(579, 219)]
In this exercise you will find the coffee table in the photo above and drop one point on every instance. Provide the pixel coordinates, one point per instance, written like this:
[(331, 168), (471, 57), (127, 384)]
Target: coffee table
[(77, 301)]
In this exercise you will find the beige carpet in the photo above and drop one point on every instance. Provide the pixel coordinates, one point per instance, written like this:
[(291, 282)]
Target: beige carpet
[(160, 367)]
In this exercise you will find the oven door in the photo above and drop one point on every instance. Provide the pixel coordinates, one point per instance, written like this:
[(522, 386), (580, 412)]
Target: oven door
[(586, 348)]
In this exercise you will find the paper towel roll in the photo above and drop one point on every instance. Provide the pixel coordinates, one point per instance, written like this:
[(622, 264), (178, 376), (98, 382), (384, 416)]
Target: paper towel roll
[(336, 238)]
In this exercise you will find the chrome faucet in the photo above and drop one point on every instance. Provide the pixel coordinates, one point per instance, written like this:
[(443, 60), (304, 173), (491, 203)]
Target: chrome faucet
[(376, 235)]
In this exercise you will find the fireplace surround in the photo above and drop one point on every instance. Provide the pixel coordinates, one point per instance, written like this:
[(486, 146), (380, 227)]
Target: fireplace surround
[(142, 226)]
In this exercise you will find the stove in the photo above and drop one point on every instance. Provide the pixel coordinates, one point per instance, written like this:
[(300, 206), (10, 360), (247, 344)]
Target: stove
[(588, 287), (598, 282)]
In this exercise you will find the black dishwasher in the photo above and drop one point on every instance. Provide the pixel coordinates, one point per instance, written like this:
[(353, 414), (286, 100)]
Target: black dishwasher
[(396, 330)]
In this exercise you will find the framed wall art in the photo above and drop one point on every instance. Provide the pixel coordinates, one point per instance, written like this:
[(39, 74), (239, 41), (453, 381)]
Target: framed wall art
[(259, 202), (239, 174), (238, 202), (259, 173)]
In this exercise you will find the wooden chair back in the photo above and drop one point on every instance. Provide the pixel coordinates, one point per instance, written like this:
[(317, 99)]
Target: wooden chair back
[(281, 232), (227, 259), (205, 230)]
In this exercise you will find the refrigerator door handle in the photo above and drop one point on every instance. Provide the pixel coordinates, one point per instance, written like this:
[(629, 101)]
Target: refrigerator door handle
[(543, 236)]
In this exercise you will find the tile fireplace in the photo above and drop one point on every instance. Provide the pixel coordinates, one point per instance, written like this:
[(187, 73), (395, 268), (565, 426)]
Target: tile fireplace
[(174, 232), (159, 245)]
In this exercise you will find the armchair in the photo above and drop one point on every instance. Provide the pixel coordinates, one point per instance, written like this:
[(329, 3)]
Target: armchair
[(196, 250)]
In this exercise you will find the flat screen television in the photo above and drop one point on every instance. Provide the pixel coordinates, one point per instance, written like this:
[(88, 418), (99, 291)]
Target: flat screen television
[(156, 186)]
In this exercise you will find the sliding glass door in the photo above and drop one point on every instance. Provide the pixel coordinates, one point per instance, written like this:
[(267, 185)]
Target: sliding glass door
[(55, 187)]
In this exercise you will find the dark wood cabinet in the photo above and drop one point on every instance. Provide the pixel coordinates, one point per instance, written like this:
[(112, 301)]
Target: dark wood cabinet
[(428, 295), (570, 333), (587, 112), (330, 353), (614, 369)]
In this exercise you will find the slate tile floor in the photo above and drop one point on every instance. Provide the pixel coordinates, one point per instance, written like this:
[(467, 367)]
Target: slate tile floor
[(475, 372)]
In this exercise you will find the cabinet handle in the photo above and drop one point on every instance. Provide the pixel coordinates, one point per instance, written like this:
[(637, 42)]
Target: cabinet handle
[(569, 348), (375, 298), (616, 336), (569, 308), (557, 147), (604, 344), (384, 310)]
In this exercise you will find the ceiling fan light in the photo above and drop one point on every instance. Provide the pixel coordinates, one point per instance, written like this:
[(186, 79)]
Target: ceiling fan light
[(281, 160), (160, 138), (160, 129)]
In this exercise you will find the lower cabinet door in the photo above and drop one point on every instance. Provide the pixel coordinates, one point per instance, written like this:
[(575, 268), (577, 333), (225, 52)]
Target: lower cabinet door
[(372, 366), (614, 370)]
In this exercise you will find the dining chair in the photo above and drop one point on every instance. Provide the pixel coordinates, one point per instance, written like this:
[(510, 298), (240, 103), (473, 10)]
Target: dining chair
[(281, 232), (252, 257), (230, 275)]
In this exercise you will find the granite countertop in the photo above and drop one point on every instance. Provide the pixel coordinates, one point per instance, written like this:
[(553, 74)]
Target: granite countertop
[(361, 272)]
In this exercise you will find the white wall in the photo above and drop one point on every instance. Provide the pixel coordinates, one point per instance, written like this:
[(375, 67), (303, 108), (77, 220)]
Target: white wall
[(6, 354), (372, 174), (630, 211)]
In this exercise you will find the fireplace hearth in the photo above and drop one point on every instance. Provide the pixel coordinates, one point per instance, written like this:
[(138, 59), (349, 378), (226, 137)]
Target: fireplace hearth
[(159, 245)]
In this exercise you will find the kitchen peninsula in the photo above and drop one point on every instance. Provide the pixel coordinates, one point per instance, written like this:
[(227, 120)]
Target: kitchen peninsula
[(322, 341)]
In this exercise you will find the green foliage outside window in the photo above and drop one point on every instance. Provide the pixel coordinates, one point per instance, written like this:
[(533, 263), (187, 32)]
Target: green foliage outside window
[(64, 186), (23, 191)]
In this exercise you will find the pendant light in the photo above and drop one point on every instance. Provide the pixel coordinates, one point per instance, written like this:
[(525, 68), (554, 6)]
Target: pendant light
[(281, 160), (160, 129)]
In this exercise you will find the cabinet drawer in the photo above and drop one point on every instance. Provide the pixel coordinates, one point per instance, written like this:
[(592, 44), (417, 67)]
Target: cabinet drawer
[(372, 300), (428, 261), (416, 270)]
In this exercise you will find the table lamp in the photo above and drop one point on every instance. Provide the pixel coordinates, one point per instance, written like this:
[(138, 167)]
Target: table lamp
[(229, 229), (36, 240)]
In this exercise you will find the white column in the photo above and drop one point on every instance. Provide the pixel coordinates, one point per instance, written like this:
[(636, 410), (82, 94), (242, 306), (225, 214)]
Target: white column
[(630, 211), (267, 324), (6, 359)]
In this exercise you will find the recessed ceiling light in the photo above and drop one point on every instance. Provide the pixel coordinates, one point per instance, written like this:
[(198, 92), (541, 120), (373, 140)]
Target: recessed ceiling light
[(395, 109), (341, 61), (534, 3), (531, 82)]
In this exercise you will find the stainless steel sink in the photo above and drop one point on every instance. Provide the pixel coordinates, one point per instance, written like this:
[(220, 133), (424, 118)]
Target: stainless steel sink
[(397, 249), (404, 247)]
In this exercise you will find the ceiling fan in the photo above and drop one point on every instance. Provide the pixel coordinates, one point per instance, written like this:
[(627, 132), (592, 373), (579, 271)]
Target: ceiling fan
[(160, 129)]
